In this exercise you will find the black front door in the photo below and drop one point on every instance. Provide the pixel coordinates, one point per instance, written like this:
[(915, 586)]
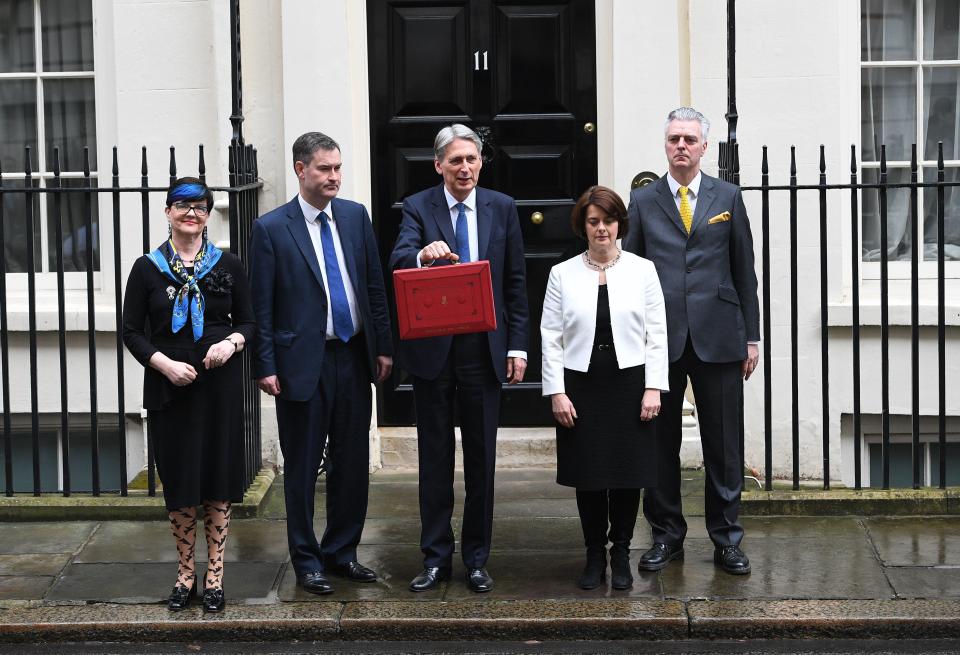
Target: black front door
[(523, 76)]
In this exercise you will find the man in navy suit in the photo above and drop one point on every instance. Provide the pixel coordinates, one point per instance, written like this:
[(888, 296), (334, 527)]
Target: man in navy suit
[(323, 335), (459, 221), (695, 229)]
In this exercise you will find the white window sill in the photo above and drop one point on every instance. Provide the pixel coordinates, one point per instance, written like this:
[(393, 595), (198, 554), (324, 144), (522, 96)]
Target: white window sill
[(841, 314)]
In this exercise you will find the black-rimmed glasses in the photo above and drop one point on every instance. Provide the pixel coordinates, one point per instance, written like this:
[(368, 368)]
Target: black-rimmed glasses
[(185, 207)]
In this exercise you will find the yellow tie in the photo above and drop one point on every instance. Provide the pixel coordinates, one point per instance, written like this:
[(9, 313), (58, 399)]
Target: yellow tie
[(686, 213)]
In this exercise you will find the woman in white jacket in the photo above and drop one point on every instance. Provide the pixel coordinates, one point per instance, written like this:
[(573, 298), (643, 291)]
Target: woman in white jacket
[(605, 363)]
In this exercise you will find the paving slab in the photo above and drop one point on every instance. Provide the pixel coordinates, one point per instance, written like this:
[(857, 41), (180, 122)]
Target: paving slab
[(925, 582), (21, 587), (33, 564), (513, 533), (137, 541), (145, 583), (542, 575), (390, 531), (539, 620), (130, 541), (916, 541), (828, 528), (535, 507), (782, 569), (835, 619), (59, 537)]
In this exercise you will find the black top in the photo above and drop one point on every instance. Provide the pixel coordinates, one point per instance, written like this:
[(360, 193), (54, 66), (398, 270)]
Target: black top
[(148, 305), (604, 332)]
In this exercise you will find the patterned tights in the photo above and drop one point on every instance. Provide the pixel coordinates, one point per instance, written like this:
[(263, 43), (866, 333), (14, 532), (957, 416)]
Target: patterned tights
[(216, 523)]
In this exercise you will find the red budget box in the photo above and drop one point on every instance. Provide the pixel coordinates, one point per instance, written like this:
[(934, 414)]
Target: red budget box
[(447, 299)]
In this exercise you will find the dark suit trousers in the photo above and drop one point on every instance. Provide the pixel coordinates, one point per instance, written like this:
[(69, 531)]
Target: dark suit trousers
[(718, 389), (339, 409), (468, 378)]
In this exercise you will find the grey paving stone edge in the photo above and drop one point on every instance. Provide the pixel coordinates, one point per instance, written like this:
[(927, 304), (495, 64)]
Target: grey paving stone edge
[(490, 620)]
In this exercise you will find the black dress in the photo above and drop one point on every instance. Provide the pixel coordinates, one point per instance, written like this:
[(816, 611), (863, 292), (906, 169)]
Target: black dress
[(608, 447), (197, 429)]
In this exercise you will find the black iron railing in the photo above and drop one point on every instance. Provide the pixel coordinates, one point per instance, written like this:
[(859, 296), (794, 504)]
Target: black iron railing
[(729, 169), (243, 192)]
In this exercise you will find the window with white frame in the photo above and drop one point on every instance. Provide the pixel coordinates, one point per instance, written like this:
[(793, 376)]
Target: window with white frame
[(910, 84), (47, 102)]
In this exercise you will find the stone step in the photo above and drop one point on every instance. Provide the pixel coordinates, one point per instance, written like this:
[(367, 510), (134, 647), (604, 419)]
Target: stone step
[(516, 447)]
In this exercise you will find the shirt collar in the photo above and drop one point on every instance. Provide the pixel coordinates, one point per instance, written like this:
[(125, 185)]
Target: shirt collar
[(693, 187), (311, 213), (470, 202)]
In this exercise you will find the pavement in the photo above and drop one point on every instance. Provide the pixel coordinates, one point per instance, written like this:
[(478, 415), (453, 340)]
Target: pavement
[(854, 577)]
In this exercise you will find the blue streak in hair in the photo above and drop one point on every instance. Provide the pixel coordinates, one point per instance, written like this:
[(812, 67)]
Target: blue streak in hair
[(186, 192)]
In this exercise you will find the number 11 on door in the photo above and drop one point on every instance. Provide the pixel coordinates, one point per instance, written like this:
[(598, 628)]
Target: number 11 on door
[(476, 60)]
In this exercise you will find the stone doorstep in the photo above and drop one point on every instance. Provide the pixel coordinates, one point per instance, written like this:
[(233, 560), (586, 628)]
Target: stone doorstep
[(113, 507), (493, 620), (532, 447)]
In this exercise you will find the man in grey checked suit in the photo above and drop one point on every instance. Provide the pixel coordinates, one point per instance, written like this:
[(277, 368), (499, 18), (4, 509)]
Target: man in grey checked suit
[(695, 230)]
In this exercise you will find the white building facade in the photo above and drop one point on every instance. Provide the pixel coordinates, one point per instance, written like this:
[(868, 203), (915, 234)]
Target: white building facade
[(157, 74)]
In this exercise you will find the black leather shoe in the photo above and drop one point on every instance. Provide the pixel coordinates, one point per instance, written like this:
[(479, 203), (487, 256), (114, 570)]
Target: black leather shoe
[(314, 582), (732, 560), (213, 600), (179, 598), (354, 571), (429, 578), (659, 556), (479, 580)]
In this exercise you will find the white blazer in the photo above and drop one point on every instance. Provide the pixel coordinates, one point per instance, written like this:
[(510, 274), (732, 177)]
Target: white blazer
[(637, 318)]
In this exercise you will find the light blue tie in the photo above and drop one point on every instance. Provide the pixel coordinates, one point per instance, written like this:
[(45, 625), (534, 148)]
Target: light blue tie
[(463, 234), (342, 322)]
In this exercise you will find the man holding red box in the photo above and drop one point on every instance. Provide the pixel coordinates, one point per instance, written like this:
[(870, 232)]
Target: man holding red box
[(459, 221)]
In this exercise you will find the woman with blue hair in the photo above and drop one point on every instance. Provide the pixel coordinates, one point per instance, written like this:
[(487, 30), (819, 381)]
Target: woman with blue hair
[(186, 314)]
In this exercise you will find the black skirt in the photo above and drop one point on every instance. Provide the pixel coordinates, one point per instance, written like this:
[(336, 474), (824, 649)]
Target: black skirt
[(608, 447), (197, 436)]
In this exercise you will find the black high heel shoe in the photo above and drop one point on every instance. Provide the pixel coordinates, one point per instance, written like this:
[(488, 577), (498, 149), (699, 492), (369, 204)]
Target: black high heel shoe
[(213, 599), (179, 598)]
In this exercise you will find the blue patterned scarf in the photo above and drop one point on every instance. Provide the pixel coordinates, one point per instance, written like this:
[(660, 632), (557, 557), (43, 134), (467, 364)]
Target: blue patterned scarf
[(188, 297)]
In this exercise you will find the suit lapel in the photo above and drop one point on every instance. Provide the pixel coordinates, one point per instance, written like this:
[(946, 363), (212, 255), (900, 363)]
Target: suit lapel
[(441, 214), (301, 236), (345, 225), (704, 202), (484, 223), (668, 204)]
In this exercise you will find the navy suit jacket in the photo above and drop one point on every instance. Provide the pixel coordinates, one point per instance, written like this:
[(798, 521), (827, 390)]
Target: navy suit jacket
[(426, 218), (289, 301), (708, 278)]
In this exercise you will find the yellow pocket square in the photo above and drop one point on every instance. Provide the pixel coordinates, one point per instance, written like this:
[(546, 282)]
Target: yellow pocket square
[(719, 218)]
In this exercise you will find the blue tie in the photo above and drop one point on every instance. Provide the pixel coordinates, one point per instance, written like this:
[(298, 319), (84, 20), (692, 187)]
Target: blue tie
[(463, 234), (342, 323)]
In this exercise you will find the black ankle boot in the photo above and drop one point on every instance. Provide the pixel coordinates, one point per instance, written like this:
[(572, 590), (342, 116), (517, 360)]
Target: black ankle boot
[(620, 575), (595, 571)]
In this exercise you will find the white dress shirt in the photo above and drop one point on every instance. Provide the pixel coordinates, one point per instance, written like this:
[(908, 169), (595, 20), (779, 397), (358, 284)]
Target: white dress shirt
[(311, 214), (693, 191), (470, 209)]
